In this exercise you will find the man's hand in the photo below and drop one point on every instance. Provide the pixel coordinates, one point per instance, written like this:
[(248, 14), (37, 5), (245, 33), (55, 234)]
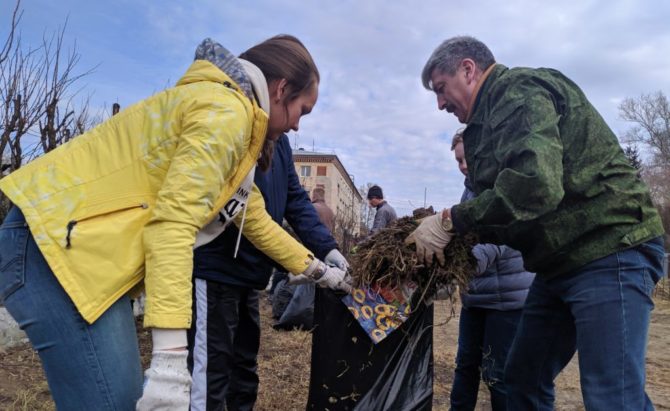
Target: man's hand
[(336, 259), (431, 237), (326, 276), (167, 382)]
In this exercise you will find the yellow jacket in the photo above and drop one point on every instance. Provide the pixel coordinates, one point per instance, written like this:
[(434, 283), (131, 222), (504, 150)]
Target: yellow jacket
[(129, 196)]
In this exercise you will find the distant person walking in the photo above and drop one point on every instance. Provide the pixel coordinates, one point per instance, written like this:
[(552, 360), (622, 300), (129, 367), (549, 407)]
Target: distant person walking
[(385, 214), (326, 214)]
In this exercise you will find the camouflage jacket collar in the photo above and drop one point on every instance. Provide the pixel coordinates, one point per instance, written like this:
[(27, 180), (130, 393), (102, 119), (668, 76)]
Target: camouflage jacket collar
[(477, 114)]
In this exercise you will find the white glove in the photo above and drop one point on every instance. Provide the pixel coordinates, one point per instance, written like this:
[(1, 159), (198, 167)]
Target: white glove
[(326, 276), (167, 383), (431, 237), (335, 258)]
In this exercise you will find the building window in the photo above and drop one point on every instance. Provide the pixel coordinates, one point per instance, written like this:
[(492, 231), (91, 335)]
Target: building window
[(305, 171), (321, 171)]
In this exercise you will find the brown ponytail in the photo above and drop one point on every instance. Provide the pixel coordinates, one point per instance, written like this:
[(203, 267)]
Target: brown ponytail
[(283, 57)]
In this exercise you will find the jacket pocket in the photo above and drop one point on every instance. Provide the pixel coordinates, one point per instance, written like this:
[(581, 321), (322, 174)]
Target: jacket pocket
[(13, 244), (100, 215)]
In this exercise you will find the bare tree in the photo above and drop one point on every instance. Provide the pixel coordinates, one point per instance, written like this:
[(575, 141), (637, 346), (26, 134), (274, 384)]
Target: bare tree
[(59, 122), (9, 41), (36, 98), (343, 232), (650, 114)]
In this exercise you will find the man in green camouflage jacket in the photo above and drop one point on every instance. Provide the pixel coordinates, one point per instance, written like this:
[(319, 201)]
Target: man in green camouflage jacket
[(552, 181)]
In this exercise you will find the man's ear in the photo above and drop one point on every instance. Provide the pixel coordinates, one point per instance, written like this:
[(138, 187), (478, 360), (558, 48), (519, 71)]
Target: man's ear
[(277, 90), (469, 68)]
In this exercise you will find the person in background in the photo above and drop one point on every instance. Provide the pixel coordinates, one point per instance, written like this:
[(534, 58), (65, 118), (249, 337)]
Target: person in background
[(123, 206), (326, 215), (385, 214), (552, 181), (490, 312)]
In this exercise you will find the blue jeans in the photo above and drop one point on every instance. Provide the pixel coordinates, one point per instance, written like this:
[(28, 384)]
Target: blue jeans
[(601, 311), (484, 339), (88, 366)]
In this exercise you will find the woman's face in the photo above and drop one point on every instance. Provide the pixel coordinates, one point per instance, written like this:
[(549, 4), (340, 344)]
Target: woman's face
[(285, 114)]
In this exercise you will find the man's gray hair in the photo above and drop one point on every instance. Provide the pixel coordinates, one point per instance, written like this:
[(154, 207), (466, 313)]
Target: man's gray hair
[(448, 55)]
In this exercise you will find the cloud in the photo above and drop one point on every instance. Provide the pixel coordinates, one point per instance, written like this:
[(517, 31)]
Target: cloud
[(372, 110)]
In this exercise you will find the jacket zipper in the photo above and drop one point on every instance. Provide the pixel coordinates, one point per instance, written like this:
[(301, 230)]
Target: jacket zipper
[(72, 223)]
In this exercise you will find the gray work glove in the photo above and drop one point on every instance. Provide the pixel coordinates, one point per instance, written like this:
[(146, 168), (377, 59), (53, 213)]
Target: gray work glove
[(431, 237), (167, 383), (326, 276), (336, 259)]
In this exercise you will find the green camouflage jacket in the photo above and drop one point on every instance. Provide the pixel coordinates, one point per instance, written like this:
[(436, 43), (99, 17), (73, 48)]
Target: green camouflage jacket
[(550, 177)]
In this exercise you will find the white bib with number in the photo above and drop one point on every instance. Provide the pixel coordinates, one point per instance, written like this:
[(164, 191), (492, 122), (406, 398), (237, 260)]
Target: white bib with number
[(236, 203)]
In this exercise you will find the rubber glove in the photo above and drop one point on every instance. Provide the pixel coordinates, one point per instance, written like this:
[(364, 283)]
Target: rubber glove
[(431, 237), (167, 383), (335, 258)]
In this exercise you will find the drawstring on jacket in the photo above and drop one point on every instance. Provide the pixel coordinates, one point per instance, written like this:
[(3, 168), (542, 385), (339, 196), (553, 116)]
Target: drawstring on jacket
[(239, 234)]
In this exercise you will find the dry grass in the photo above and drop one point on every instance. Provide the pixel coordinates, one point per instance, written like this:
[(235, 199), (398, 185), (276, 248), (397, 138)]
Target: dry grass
[(23, 386), (283, 366), (284, 363)]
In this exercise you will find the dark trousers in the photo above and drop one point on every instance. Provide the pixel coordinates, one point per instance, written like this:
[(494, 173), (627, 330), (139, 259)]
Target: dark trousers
[(484, 339), (223, 347)]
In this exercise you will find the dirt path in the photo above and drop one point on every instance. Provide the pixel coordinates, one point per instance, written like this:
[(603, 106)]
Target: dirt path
[(284, 368), (568, 392)]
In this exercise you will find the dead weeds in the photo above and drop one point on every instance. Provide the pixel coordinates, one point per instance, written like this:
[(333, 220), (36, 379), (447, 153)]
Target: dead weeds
[(385, 261)]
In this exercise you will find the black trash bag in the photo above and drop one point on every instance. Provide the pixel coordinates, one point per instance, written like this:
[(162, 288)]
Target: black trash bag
[(299, 312), (277, 276), (281, 298), (350, 372)]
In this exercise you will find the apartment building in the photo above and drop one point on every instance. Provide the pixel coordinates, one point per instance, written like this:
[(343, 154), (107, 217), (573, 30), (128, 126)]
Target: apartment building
[(326, 171)]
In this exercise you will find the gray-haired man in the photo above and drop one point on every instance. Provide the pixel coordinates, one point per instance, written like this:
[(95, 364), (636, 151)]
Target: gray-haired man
[(552, 182)]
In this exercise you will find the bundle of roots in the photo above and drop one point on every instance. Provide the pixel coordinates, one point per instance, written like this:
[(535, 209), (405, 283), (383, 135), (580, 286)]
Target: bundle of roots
[(384, 261)]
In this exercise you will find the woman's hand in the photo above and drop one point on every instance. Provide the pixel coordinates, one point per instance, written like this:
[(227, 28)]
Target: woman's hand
[(167, 382), (326, 276)]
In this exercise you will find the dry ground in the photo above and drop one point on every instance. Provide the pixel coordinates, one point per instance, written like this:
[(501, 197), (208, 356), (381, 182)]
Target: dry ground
[(284, 368)]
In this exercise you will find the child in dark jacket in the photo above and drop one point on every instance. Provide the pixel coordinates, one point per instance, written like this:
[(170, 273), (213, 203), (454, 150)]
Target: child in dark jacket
[(490, 312)]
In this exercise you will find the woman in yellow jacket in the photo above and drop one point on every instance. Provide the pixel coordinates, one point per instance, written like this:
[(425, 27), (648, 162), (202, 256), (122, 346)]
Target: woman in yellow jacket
[(125, 204)]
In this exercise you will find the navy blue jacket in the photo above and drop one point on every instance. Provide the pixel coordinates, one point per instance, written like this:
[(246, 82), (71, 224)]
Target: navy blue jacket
[(501, 282), (284, 198)]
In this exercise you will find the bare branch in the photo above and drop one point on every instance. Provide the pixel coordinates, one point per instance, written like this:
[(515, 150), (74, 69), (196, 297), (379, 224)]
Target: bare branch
[(651, 115), (7, 46)]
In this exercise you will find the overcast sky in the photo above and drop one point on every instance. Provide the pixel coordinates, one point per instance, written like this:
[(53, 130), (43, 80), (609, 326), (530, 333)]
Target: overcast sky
[(372, 111)]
